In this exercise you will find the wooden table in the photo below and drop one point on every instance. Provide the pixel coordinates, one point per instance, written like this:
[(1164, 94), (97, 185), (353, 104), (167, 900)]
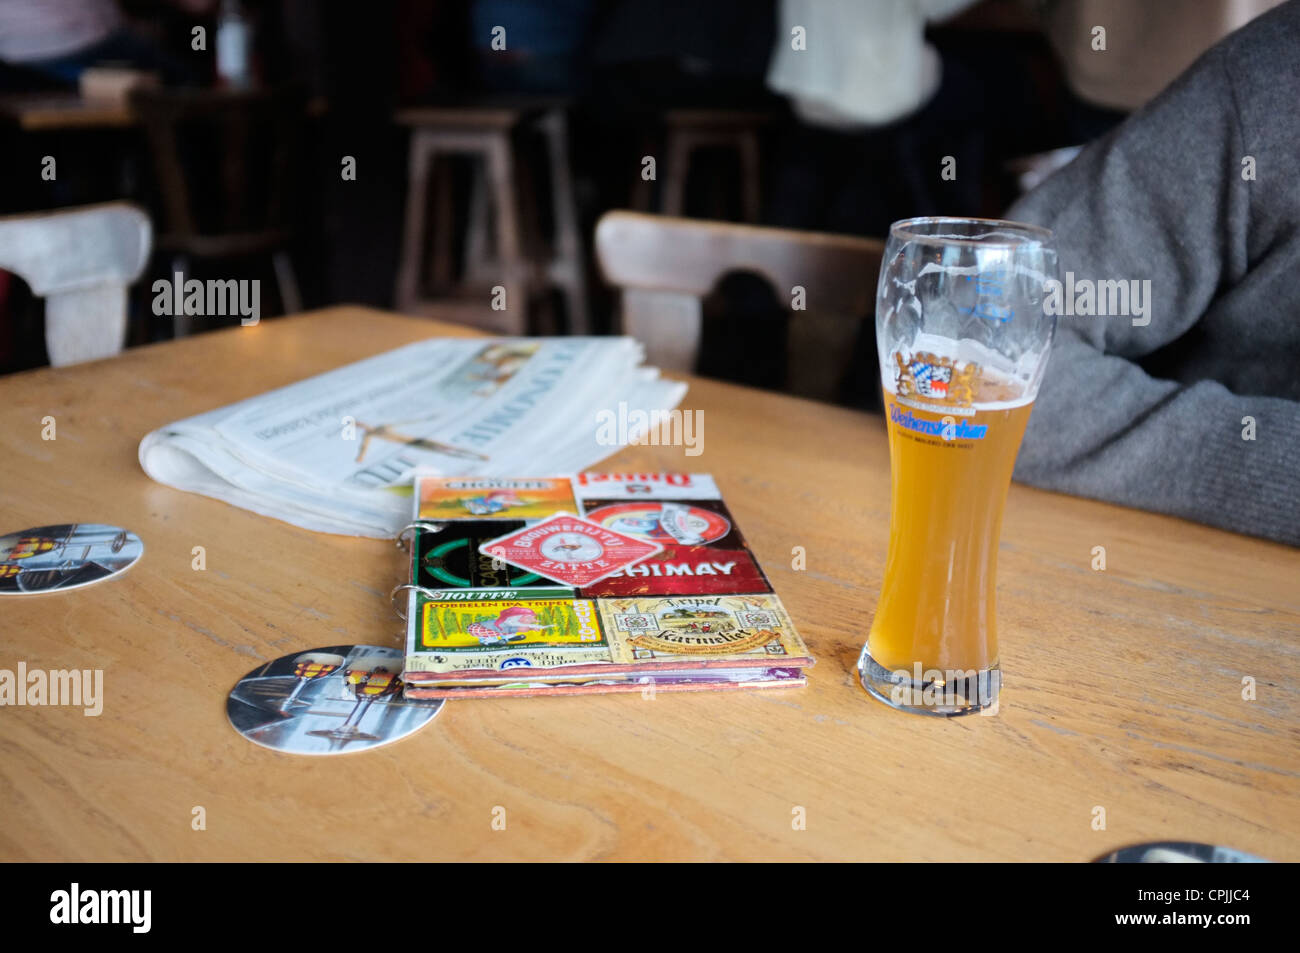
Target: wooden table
[(61, 111), (42, 112), (1123, 687)]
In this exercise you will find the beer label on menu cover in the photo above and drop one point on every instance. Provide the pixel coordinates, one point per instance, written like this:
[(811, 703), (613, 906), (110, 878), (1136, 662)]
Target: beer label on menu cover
[(499, 595), (449, 558), (699, 632), (704, 551), (501, 634), (686, 570), (645, 486), (701, 627), (569, 549), (464, 498), (682, 522), (474, 627)]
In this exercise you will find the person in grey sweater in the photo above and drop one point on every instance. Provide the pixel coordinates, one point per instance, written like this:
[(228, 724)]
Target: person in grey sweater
[(1189, 403)]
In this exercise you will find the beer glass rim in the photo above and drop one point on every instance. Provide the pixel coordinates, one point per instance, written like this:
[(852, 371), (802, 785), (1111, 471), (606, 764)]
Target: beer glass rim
[(997, 232)]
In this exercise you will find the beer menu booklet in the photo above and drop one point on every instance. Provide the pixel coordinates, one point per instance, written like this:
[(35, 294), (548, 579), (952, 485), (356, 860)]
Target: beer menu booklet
[(601, 582)]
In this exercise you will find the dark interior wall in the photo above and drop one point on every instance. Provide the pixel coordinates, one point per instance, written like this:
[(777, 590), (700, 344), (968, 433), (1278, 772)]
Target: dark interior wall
[(619, 63)]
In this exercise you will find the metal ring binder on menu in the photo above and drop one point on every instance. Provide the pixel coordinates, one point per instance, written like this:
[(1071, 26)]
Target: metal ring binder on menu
[(392, 596), (400, 540)]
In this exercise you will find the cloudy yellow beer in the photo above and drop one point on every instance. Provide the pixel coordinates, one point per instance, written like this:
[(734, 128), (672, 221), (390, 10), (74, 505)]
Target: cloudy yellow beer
[(963, 338), (950, 473)]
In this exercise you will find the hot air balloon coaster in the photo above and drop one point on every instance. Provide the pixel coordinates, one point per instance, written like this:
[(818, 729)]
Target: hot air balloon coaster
[(64, 556), (334, 700)]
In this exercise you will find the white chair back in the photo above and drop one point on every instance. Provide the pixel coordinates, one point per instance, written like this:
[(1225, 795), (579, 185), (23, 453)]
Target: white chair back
[(665, 266), (81, 261)]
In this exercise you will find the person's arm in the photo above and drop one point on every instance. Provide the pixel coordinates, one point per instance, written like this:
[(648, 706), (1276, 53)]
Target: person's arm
[(1162, 198), (1103, 428)]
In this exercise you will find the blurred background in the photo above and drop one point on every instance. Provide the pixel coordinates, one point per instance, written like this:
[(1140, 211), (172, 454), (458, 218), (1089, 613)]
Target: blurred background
[(417, 155)]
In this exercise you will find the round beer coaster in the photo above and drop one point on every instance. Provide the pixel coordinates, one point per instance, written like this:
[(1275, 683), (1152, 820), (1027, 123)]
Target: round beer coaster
[(64, 556), (335, 700), (1179, 852)]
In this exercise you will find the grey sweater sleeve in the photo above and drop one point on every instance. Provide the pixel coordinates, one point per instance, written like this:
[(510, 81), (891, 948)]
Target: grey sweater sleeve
[(1163, 198)]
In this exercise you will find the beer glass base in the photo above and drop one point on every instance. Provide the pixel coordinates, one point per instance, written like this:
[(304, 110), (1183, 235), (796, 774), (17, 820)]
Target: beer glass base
[(971, 692)]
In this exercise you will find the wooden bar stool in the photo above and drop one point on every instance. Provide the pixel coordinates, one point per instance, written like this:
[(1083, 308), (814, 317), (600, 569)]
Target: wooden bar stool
[(687, 130), (504, 242), (228, 163)]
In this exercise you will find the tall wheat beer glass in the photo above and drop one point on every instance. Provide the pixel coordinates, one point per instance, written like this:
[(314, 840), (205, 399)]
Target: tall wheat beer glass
[(963, 341)]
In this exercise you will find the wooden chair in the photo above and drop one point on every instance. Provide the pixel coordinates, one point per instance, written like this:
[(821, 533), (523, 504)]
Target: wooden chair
[(81, 261), (504, 244), (666, 266), (228, 164)]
